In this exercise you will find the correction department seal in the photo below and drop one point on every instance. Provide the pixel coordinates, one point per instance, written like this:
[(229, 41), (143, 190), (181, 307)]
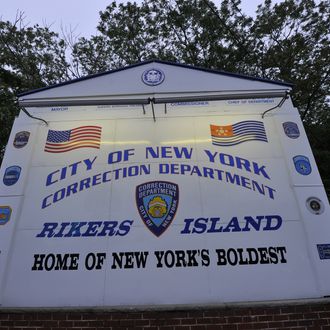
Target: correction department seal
[(157, 202), (5, 213), (153, 77)]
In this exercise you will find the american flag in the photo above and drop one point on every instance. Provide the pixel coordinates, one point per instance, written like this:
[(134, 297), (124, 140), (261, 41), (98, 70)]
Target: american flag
[(79, 137), (229, 135)]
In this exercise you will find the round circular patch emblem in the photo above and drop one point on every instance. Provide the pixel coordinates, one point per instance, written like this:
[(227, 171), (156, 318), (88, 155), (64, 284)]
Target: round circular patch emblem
[(153, 77), (302, 165)]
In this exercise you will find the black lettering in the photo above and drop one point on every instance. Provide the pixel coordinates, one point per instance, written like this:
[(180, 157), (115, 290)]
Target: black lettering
[(221, 254), (129, 260), (141, 259), (180, 258), (38, 262), (169, 259), (205, 257), (273, 255), (232, 257), (263, 252), (192, 262), (117, 260), (159, 255), (282, 250)]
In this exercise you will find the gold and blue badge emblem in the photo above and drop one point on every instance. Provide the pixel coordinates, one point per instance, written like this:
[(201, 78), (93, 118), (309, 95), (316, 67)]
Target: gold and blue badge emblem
[(5, 213), (157, 202)]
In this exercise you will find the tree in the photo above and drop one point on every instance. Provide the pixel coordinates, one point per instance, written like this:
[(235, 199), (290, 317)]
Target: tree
[(30, 57), (296, 47), (192, 32), (292, 43)]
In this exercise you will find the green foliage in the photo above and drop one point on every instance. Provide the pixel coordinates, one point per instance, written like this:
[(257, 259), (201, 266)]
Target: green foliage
[(30, 57), (293, 44)]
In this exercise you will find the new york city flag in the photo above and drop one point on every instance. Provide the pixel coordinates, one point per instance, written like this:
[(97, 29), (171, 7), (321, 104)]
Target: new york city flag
[(229, 135)]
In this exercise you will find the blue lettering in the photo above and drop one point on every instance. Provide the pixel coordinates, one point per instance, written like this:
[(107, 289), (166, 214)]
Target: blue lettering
[(84, 184), (72, 189), (75, 229), (213, 229), (45, 202), (61, 174), (167, 152), (74, 168), (257, 170), (48, 229), (115, 157), (270, 191), (59, 195), (276, 225), (186, 229), (108, 228), (96, 179), (164, 168), (124, 227), (246, 182), (106, 176), (200, 226), (127, 154), (92, 228), (89, 163), (211, 156), (195, 170), (85, 229), (152, 153), (232, 178), (64, 225), (226, 159), (240, 163), (50, 179), (118, 156), (233, 225), (184, 168), (248, 223), (183, 152)]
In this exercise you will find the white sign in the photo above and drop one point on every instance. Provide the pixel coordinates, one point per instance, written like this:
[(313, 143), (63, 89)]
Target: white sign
[(193, 209)]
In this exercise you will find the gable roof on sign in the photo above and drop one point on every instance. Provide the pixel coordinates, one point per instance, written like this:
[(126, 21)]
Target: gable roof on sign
[(156, 81)]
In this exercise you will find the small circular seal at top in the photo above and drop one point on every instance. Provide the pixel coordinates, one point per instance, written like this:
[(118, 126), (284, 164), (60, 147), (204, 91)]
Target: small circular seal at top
[(153, 77)]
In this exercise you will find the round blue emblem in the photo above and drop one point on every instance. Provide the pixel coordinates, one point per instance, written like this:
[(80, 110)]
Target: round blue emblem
[(12, 175), (302, 165), (153, 77)]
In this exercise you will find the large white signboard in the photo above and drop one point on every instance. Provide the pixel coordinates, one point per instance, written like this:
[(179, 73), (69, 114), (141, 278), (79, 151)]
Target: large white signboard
[(210, 203)]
